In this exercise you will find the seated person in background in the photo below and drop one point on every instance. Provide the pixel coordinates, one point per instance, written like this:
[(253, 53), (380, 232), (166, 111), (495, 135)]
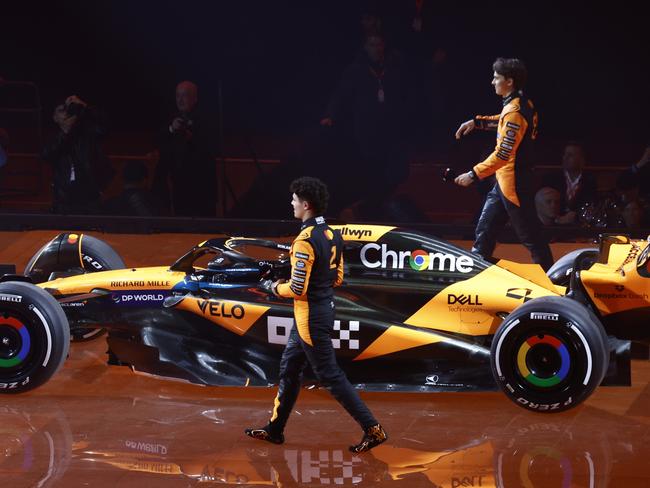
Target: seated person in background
[(135, 198), (547, 204), (634, 208), (575, 185), (641, 171)]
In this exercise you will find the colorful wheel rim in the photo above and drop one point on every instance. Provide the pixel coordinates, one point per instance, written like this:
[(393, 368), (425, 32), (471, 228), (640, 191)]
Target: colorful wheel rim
[(25, 346), (525, 371), (419, 260)]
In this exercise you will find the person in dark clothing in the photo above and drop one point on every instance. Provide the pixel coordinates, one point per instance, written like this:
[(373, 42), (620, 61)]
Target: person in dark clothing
[(316, 267), (371, 103), (641, 171), (4, 142), (511, 196), (135, 199), (186, 175), (80, 168), (576, 186), (634, 207), (633, 201)]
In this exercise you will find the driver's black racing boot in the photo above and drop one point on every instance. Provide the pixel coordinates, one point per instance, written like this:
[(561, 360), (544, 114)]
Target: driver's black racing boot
[(373, 436), (265, 434)]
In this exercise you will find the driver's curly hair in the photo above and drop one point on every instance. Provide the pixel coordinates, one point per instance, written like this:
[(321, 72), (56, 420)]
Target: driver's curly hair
[(311, 190)]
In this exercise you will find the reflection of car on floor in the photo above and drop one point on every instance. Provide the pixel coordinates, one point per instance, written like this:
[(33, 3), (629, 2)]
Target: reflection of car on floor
[(415, 313), (36, 446), (44, 448)]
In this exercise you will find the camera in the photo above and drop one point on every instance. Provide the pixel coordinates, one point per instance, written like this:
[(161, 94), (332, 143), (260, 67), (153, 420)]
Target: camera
[(449, 175), (72, 109)]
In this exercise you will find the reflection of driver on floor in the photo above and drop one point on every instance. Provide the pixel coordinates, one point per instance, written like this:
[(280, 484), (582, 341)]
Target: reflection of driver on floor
[(316, 267), (317, 467)]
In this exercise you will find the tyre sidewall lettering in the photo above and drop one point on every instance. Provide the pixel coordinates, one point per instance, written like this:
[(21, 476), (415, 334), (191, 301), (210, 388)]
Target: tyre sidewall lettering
[(15, 384)]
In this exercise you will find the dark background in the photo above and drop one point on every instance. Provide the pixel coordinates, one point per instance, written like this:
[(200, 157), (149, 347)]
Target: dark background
[(279, 61)]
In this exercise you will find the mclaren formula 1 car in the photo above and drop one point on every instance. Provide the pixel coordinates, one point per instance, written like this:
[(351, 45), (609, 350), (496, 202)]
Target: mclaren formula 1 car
[(415, 313)]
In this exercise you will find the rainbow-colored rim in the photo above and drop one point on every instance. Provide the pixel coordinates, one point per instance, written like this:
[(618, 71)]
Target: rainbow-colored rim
[(527, 460), (419, 260), (25, 346), (533, 341)]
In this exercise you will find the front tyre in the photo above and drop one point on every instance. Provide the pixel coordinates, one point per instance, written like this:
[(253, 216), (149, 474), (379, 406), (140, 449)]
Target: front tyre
[(549, 354), (34, 336)]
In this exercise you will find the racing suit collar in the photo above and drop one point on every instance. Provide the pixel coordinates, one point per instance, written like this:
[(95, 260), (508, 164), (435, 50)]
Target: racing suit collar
[(512, 96), (313, 221)]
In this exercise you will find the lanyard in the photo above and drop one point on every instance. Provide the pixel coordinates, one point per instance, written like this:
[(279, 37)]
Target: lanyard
[(379, 76), (380, 81)]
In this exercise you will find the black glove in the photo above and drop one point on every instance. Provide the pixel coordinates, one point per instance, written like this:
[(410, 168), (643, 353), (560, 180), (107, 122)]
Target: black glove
[(267, 286)]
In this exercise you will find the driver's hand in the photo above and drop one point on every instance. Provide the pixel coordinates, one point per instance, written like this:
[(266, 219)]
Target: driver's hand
[(270, 286), (266, 285), (274, 286), (464, 180), (465, 128)]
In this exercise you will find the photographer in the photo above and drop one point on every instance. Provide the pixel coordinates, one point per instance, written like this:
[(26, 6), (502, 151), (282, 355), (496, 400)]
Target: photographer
[(80, 168), (186, 176)]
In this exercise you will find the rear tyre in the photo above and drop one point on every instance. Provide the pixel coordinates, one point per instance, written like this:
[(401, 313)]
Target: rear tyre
[(95, 255), (560, 272)]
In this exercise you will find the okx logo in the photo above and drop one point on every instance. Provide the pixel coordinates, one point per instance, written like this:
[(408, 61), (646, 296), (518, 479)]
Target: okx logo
[(519, 294), (379, 256)]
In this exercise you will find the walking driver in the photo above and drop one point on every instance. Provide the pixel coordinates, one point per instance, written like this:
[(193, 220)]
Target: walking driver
[(316, 268)]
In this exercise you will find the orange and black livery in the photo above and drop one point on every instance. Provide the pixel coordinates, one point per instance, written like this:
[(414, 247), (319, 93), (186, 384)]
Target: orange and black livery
[(411, 313)]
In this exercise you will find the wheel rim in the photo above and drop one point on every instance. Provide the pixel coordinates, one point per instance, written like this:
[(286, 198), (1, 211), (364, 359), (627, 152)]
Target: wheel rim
[(543, 360), (21, 344), (15, 342)]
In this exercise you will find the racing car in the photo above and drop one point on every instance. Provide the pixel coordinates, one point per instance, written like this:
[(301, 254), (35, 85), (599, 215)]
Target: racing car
[(415, 313)]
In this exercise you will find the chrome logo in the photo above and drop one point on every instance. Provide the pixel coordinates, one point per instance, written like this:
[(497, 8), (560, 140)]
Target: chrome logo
[(553, 375), (24, 340), (419, 260)]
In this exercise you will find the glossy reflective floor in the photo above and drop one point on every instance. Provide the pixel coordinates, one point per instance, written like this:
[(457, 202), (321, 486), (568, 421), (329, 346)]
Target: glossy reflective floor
[(99, 426), (95, 425)]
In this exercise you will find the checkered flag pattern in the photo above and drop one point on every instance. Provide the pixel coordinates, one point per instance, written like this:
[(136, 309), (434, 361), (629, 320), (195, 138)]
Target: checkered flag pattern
[(344, 340), (325, 467)]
